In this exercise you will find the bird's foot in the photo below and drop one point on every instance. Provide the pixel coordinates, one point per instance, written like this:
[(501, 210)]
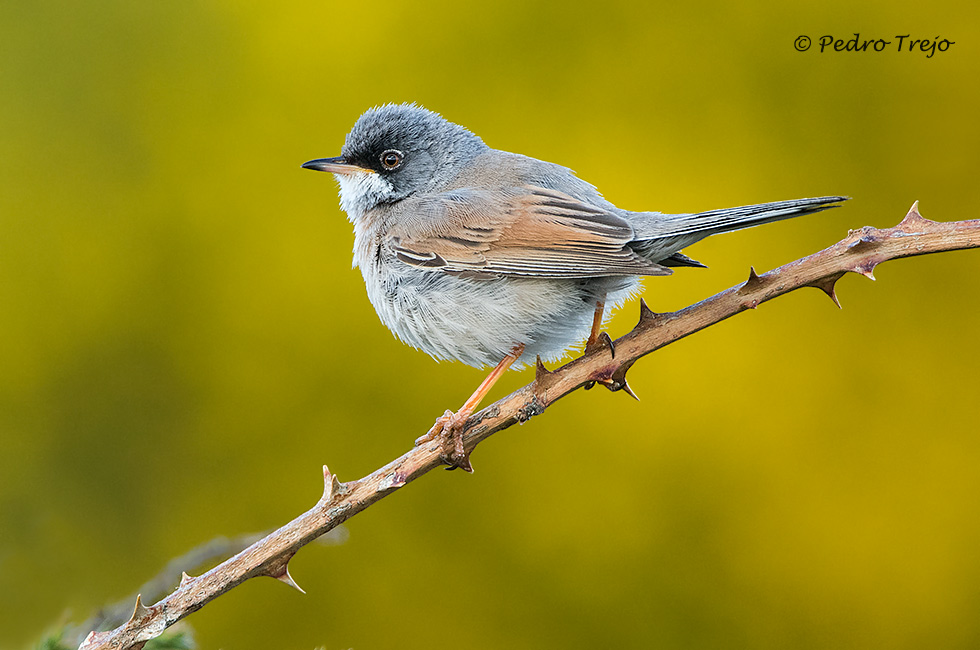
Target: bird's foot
[(599, 341), (597, 338), (448, 428)]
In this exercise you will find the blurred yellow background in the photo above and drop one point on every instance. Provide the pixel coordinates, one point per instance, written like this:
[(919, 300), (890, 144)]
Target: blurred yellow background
[(183, 342)]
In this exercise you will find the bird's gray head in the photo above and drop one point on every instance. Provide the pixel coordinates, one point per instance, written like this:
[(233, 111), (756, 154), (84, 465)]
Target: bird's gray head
[(394, 151)]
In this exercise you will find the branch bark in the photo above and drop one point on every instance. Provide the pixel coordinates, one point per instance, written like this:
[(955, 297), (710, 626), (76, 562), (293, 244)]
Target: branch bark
[(860, 252)]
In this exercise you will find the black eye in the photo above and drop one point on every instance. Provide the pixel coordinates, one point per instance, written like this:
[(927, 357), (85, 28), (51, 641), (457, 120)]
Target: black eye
[(391, 159)]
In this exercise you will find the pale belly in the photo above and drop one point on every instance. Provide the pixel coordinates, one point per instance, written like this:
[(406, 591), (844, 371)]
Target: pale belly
[(479, 321)]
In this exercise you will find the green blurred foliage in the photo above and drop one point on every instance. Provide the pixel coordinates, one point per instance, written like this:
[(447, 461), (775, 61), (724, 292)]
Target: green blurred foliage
[(183, 342)]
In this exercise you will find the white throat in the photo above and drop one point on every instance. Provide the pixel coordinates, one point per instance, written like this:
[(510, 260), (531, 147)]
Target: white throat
[(361, 191)]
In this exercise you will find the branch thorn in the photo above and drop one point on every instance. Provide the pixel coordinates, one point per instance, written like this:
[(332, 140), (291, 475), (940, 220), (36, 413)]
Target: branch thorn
[(753, 282), (539, 370), (629, 391), (282, 575), (827, 286), (288, 579), (914, 219), (140, 610), (331, 485), (866, 269), (185, 579), (541, 374), (618, 380), (647, 314)]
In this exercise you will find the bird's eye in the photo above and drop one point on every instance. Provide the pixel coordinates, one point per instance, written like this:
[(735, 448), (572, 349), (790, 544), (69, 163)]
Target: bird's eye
[(391, 159)]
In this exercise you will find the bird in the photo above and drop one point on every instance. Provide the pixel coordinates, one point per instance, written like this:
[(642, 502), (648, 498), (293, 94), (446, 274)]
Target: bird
[(496, 259)]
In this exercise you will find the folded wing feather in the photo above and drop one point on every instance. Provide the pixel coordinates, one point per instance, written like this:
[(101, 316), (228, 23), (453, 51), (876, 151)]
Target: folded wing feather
[(528, 231)]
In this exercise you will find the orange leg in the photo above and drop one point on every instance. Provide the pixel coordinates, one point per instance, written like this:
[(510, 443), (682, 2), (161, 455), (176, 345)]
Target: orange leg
[(600, 307), (593, 340), (450, 425)]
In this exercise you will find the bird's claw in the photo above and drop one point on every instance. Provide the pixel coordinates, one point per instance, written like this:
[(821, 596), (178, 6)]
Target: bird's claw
[(600, 340), (449, 427)]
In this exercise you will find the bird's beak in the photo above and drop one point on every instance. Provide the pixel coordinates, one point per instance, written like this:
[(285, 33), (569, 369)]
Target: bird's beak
[(335, 166)]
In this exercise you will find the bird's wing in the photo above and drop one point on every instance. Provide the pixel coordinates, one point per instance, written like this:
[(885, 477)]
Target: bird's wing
[(523, 231)]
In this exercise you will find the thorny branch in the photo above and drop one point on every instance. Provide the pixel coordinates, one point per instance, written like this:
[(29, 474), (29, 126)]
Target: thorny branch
[(860, 252)]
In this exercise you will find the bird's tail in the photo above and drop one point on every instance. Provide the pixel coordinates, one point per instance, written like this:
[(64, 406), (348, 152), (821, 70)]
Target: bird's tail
[(713, 222), (665, 234)]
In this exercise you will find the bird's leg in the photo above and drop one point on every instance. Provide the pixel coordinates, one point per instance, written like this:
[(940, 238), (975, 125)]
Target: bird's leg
[(450, 425), (597, 335), (600, 308)]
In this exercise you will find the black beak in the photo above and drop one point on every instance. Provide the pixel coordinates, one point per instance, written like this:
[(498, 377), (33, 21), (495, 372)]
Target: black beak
[(335, 166)]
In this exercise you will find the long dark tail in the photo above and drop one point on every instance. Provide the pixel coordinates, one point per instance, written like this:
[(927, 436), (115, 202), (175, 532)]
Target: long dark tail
[(713, 222), (660, 237)]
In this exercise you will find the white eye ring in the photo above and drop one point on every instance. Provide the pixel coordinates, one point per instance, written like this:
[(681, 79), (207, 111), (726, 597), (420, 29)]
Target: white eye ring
[(392, 159)]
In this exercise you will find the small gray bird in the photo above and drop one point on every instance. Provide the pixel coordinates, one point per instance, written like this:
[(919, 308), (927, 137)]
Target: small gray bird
[(492, 258)]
